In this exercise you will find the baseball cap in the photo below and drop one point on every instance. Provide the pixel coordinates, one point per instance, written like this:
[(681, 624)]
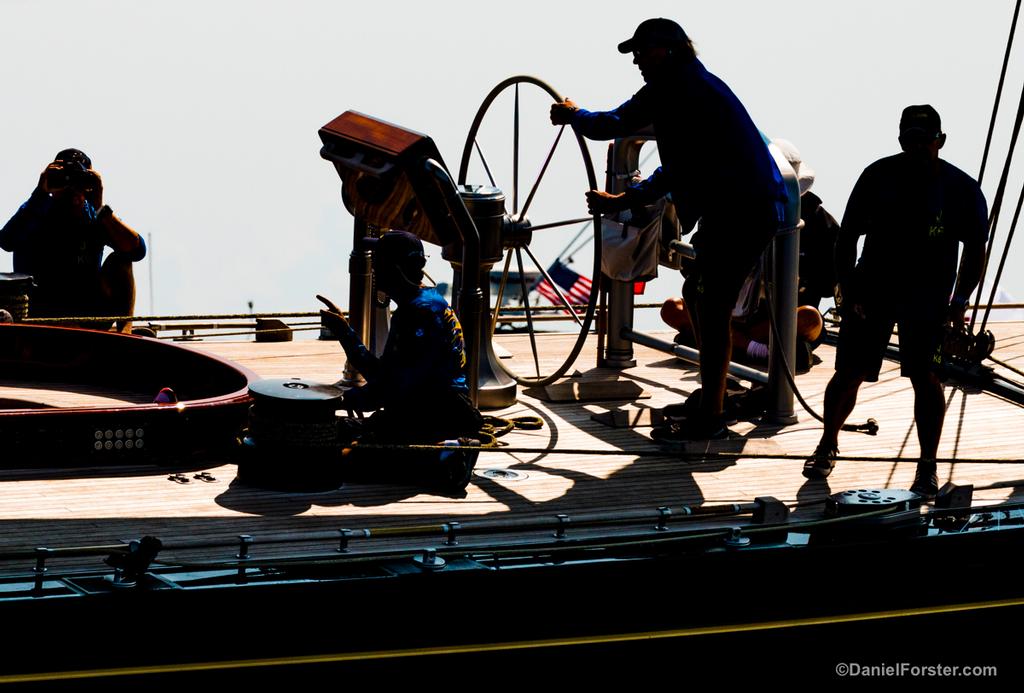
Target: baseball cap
[(658, 32), (921, 121), (400, 247), (74, 155)]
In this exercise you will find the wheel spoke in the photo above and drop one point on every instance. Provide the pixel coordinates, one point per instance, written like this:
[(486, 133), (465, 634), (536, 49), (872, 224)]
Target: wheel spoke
[(487, 168), (577, 248), (501, 293), (558, 289), (515, 155), (567, 222), (543, 170), (529, 316)]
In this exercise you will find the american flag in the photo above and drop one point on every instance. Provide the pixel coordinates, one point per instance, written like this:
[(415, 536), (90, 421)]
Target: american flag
[(576, 287)]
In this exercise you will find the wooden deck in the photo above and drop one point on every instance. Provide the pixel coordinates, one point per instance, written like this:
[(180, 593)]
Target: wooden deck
[(624, 470)]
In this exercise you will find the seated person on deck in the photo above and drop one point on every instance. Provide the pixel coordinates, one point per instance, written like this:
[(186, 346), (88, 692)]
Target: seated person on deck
[(58, 236), (750, 334), (418, 386)]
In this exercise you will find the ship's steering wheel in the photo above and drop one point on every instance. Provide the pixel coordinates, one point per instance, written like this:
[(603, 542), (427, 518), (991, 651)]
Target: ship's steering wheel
[(549, 224)]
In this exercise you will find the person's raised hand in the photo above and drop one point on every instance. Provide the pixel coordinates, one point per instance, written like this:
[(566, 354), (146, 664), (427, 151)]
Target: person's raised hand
[(562, 112), (600, 202), (957, 314), (332, 317), (329, 303), (44, 178)]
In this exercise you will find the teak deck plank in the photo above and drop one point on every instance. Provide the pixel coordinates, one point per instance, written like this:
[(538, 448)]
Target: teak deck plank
[(107, 505)]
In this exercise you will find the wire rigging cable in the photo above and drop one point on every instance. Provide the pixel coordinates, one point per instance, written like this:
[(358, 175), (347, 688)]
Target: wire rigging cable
[(997, 203), (999, 92)]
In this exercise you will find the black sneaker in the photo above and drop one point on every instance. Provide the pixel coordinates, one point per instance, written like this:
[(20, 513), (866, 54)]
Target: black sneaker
[(821, 463), (684, 338), (926, 481), (690, 429), (678, 412)]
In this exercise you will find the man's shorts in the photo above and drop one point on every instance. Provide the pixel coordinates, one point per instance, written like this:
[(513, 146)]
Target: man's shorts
[(863, 341), (725, 258)]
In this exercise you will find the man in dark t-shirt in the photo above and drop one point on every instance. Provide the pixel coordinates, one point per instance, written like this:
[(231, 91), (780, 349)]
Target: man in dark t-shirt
[(914, 210)]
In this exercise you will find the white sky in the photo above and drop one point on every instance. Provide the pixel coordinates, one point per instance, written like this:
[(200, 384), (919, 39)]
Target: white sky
[(203, 116)]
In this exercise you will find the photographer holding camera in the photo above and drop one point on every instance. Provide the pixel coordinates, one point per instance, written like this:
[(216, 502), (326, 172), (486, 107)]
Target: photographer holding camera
[(58, 236)]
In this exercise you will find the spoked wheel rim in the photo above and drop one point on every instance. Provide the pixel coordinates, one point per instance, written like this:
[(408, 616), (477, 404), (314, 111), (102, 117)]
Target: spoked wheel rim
[(520, 201)]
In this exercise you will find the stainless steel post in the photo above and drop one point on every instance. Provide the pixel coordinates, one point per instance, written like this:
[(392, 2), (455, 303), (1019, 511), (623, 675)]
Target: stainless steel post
[(782, 269), (623, 159), (360, 298), (486, 206)]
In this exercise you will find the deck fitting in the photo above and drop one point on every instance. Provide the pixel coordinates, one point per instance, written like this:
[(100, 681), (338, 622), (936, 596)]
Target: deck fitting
[(502, 474), (429, 560), (735, 539), (863, 500), (452, 528), (563, 522), (346, 534), (244, 542), (664, 512)]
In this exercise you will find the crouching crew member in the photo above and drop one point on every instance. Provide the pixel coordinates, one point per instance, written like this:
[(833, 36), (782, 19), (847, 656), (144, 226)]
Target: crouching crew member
[(417, 387)]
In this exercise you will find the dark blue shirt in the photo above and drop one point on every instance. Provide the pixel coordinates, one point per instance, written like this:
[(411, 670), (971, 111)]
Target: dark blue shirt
[(424, 356), (714, 161), (62, 248)]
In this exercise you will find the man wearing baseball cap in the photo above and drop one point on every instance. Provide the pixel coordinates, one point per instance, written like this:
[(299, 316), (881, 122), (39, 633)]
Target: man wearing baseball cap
[(59, 235), (716, 167), (417, 387), (914, 210)]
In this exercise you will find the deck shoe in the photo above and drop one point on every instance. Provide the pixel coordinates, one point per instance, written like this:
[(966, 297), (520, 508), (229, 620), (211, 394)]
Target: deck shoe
[(684, 338), (692, 428), (926, 481), (822, 462), (675, 413)]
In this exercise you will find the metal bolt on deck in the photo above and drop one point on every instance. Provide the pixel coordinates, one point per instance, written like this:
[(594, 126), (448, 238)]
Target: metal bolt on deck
[(244, 542), (429, 560), (664, 513), (563, 523)]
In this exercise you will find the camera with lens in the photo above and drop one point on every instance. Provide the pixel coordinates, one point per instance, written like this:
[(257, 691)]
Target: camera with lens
[(70, 174)]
